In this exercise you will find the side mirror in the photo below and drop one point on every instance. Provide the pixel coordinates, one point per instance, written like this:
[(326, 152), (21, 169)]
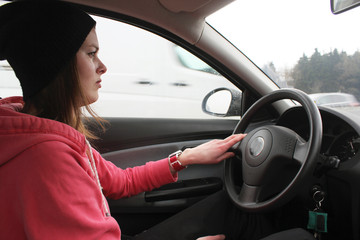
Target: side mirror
[(222, 102), (339, 6)]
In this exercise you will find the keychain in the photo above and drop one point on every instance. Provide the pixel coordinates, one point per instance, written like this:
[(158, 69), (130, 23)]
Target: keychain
[(317, 217)]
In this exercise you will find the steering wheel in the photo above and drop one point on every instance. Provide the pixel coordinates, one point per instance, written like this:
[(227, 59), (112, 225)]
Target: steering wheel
[(266, 150)]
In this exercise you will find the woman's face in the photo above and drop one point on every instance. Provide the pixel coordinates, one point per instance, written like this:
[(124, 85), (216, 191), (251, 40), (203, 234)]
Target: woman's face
[(89, 67)]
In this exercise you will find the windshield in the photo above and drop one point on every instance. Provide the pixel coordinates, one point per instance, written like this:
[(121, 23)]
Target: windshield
[(298, 44)]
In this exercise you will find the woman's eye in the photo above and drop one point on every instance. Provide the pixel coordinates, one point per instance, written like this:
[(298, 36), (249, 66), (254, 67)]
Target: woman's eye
[(92, 54)]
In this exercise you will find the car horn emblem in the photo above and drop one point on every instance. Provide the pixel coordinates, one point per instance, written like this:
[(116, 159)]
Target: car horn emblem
[(257, 146)]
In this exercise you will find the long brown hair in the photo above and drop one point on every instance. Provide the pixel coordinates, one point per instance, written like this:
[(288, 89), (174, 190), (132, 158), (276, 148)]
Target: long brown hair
[(62, 100)]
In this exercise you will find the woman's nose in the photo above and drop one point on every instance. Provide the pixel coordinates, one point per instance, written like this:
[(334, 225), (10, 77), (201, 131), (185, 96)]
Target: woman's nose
[(102, 68)]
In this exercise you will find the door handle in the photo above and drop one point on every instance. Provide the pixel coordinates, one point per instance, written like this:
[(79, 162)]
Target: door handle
[(185, 189)]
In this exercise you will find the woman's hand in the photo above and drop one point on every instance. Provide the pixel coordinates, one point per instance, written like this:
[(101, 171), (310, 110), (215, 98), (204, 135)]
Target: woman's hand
[(216, 237), (211, 152)]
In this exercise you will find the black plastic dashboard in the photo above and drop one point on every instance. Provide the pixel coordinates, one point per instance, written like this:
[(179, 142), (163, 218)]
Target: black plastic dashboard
[(341, 136), (341, 140)]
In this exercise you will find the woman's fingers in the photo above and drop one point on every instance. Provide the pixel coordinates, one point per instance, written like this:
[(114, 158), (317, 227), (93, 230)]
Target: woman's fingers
[(211, 152), (216, 237)]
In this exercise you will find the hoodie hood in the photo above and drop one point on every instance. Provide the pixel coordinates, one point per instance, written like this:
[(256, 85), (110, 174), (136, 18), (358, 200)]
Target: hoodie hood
[(19, 131)]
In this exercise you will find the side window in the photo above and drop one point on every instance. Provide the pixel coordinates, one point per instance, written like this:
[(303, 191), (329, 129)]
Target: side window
[(147, 76), (9, 85), (190, 61)]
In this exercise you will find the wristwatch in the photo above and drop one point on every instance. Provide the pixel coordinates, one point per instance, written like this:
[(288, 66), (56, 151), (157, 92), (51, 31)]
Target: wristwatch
[(174, 161)]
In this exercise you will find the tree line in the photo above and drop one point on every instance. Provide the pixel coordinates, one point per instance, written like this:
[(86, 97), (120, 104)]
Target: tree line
[(330, 72)]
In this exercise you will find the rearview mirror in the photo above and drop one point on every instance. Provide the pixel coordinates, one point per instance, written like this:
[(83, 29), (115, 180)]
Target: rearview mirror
[(339, 6), (222, 102)]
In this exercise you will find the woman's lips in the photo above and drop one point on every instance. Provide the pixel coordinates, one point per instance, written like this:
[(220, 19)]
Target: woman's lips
[(98, 83)]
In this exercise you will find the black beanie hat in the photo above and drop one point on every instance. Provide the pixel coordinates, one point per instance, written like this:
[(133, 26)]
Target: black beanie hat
[(38, 38)]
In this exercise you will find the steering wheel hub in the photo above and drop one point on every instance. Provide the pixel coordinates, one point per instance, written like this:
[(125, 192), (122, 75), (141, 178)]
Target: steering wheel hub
[(259, 147)]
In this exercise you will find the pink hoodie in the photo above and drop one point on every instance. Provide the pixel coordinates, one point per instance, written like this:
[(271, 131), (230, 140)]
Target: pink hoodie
[(47, 188)]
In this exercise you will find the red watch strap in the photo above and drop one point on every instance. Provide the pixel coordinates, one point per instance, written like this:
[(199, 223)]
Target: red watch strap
[(174, 161)]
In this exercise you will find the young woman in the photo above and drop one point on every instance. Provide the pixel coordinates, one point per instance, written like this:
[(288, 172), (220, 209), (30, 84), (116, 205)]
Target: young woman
[(53, 183)]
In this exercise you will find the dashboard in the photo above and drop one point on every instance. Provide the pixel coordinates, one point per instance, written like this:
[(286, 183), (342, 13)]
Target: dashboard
[(340, 141), (340, 132)]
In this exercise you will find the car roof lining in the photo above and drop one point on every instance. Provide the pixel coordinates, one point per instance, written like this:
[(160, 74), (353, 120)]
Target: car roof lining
[(184, 6)]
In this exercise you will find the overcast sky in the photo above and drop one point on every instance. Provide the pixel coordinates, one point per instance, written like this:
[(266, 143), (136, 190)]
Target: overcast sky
[(282, 30)]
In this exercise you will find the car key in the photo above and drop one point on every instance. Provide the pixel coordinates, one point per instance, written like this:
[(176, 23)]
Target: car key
[(318, 218)]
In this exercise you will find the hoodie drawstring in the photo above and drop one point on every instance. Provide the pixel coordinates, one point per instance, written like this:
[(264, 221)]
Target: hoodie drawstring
[(95, 172)]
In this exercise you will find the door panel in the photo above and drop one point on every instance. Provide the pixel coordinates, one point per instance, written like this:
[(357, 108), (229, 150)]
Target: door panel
[(126, 133), (133, 142)]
